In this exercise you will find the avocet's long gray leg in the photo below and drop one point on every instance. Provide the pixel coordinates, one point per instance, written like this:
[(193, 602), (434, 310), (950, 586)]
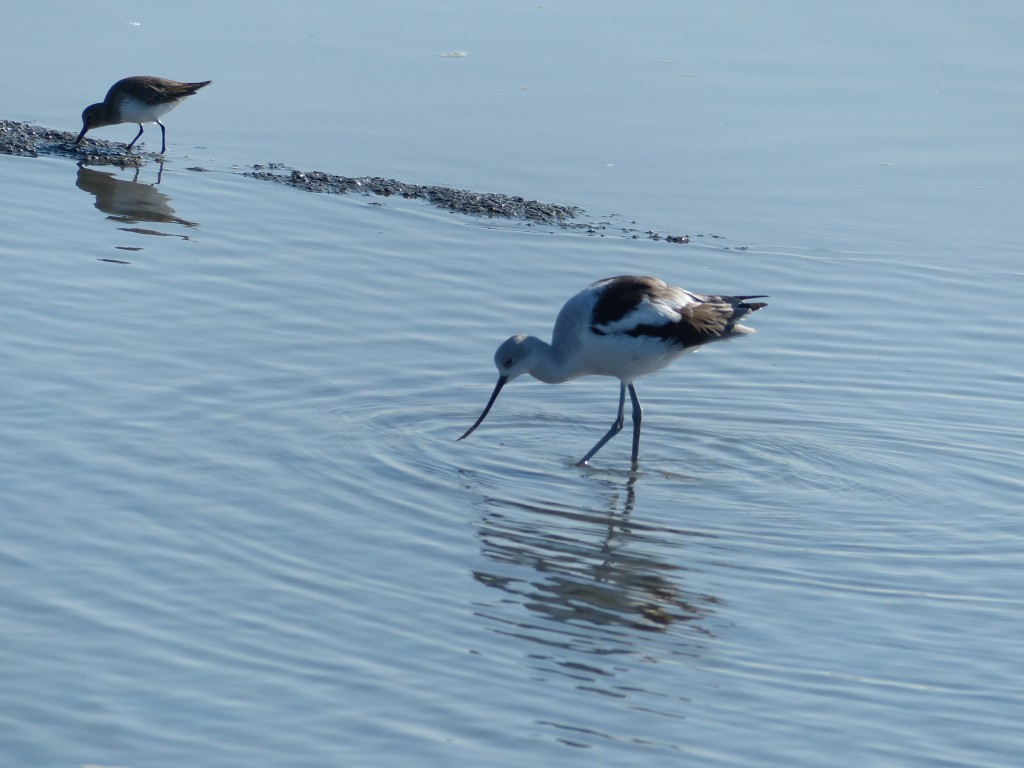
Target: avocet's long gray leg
[(616, 425), (638, 415)]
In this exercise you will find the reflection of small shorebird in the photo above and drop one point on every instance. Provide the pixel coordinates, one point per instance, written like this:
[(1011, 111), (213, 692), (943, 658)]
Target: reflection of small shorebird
[(626, 327), (138, 100)]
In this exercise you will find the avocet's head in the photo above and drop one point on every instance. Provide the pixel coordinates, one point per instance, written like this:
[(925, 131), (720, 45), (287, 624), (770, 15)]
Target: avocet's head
[(513, 358)]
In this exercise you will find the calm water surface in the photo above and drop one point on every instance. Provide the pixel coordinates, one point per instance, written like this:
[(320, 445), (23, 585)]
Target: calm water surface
[(236, 528)]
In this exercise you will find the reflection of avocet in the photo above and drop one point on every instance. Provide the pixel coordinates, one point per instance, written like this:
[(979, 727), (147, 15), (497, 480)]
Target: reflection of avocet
[(626, 327), (593, 571)]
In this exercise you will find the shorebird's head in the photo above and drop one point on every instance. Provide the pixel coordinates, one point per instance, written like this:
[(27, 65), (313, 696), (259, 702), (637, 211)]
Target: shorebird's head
[(93, 116), (513, 358)]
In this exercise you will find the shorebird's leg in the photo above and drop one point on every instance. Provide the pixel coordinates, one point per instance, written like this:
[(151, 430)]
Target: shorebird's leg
[(163, 137), (638, 415), (135, 139), (615, 428)]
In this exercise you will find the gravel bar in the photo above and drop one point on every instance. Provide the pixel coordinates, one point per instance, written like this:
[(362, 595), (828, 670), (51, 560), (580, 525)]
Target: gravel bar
[(27, 140)]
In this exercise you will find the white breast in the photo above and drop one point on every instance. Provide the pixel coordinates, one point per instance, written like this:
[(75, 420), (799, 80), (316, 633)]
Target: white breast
[(135, 111)]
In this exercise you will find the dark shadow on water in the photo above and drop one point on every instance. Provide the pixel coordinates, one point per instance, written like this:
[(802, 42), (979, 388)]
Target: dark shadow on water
[(130, 202)]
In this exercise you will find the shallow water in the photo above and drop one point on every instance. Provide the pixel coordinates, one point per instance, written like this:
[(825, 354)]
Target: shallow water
[(237, 528)]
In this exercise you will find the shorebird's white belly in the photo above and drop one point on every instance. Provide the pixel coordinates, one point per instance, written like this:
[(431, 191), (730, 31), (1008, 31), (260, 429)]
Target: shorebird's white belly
[(132, 110)]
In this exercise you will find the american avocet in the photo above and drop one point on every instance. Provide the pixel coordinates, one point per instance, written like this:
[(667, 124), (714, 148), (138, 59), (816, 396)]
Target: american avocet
[(141, 99), (626, 327)]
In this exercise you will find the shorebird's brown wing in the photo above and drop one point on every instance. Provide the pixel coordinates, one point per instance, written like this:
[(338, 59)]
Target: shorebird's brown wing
[(186, 89), (154, 90)]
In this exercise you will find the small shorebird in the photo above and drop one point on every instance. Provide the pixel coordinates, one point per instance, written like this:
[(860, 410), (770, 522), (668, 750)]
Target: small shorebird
[(624, 327), (141, 99)]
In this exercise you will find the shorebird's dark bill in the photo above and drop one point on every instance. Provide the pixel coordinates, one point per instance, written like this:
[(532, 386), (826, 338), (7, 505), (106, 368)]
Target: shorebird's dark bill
[(80, 136), (487, 408)]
